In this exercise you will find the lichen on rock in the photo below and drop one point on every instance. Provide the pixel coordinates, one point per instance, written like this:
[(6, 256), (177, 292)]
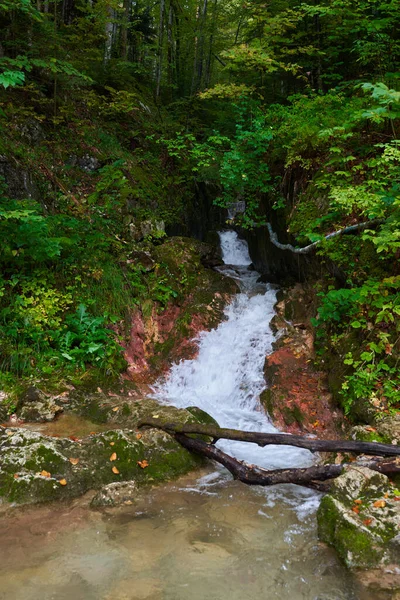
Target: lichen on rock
[(39, 468), (360, 518)]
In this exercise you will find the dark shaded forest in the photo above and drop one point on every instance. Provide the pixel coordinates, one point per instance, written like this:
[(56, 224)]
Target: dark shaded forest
[(124, 123)]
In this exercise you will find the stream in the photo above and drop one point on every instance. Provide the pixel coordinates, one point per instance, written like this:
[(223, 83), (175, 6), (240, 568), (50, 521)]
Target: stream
[(205, 536)]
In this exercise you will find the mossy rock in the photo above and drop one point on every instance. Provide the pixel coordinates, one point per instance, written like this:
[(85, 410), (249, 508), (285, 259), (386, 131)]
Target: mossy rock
[(360, 518), (38, 468)]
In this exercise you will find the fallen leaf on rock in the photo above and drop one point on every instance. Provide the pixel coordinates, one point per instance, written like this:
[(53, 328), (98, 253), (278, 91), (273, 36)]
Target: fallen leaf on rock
[(358, 501), (115, 409), (74, 461), (367, 521), (143, 463), (115, 470), (138, 436), (355, 509), (73, 438), (63, 482), (379, 504), (113, 456), (45, 474), (155, 416), (16, 475)]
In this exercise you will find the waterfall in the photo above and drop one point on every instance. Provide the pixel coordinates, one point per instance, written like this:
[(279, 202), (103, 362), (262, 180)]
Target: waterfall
[(226, 378)]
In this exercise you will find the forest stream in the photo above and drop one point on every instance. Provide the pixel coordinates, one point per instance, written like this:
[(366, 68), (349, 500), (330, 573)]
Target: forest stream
[(203, 537)]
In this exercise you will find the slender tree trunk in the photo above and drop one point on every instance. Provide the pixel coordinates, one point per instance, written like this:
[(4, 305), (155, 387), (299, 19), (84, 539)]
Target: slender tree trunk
[(109, 28), (160, 48), (125, 28)]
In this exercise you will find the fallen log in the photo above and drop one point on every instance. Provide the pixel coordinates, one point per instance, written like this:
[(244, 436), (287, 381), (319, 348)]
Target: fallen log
[(252, 475), (313, 477), (277, 439)]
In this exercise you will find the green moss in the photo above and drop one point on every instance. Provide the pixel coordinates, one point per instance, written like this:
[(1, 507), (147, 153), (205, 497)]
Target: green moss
[(355, 546), (292, 414), (267, 400), (93, 411)]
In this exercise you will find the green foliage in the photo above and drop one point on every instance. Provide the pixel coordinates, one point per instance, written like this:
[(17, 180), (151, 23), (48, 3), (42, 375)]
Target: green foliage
[(371, 313), (11, 78)]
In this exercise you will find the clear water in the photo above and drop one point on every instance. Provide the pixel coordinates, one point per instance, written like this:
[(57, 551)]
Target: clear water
[(204, 537)]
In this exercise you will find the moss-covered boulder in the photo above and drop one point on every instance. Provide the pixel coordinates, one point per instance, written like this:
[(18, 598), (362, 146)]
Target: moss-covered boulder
[(38, 468), (35, 406), (360, 518)]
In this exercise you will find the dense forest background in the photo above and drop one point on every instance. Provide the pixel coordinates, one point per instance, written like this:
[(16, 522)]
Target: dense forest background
[(122, 122)]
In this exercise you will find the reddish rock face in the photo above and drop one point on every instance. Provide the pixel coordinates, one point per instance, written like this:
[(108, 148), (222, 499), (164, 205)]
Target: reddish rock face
[(162, 334), (160, 339), (298, 399)]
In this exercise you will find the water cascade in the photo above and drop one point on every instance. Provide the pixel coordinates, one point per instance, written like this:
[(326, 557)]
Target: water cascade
[(204, 536), (226, 378)]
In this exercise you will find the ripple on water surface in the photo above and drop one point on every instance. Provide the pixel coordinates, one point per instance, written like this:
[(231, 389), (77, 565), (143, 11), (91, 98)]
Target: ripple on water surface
[(195, 539)]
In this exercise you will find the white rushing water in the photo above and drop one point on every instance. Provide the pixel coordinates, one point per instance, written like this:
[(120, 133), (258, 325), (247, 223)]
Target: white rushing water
[(226, 378), (202, 537)]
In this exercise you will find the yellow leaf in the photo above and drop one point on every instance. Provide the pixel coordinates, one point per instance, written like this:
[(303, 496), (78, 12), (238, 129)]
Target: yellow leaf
[(143, 463), (112, 443), (63, 482), (113, 457), (357, 501), (115, 409), (379, 504), (74, 461), (115, 470), (45, 474)]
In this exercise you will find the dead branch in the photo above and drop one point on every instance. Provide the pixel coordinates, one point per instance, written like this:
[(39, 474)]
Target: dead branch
[(252, 475), (278, 439)]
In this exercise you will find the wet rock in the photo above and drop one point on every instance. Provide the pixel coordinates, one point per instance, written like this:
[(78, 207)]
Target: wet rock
[(114, 494), (360, 518), (297, 399), (39, 468), (35, 406), (195, 302)]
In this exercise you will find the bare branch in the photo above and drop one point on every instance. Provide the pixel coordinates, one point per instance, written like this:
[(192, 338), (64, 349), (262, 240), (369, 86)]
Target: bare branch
[(351, 229)]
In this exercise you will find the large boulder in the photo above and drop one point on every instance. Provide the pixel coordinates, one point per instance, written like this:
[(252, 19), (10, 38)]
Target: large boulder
[(360, 518), (39, 468)]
